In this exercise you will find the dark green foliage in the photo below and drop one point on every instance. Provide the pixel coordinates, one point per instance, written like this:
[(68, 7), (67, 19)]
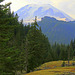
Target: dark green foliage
[(62, 52), (37, 46), (12, 42), (63, 64)]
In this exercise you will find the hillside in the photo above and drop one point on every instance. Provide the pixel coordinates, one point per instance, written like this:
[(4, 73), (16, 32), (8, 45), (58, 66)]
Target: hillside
[(54, 68), (59, 31), (56, 71)]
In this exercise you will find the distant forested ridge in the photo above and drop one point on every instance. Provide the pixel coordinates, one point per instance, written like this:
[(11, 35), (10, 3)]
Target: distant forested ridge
[(23, 48), (57, 31)]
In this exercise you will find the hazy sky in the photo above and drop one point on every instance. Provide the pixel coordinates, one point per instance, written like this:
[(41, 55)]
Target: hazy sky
[(68, 6)]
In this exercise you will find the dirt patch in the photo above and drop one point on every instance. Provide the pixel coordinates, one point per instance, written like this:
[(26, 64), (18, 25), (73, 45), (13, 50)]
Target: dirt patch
[(55, 71)]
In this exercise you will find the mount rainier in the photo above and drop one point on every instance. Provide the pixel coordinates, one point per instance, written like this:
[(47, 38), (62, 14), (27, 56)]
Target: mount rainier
[(28, 12)]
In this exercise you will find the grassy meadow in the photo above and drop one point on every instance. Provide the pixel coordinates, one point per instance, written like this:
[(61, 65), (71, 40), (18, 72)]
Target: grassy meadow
[(54, 68)]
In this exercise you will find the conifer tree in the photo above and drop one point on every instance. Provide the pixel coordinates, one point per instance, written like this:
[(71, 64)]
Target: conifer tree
[(37, 46), (8, 50)]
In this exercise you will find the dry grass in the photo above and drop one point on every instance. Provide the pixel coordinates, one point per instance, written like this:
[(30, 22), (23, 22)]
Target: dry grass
[(58, 70), (54, 64), (54, 71)]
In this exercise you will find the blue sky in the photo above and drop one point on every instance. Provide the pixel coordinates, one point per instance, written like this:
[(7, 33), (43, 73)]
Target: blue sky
[(67, 6)]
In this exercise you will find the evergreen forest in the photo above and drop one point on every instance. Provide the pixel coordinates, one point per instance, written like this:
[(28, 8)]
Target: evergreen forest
[(25, 47)]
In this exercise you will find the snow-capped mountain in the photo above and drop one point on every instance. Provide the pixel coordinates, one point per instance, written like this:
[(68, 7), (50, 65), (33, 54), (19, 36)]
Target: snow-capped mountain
[(28, 12)]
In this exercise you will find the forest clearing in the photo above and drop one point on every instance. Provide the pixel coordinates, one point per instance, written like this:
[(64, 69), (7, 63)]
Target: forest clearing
[(54, 68)]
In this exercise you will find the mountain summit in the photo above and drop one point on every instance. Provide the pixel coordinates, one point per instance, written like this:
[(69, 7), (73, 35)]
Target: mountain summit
[(28, 12)]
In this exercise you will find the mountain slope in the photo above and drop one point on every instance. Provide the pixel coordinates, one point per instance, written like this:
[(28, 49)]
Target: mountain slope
[(28, 12), (59, 31)]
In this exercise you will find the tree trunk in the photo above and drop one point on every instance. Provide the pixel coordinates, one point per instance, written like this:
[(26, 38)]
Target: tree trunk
[(68, 56)]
